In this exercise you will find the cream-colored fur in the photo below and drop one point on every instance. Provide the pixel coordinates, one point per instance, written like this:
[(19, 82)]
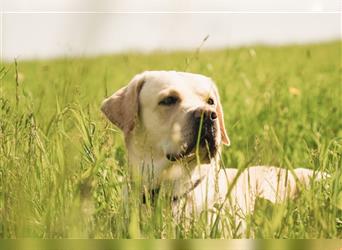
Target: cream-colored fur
[(154, 131)]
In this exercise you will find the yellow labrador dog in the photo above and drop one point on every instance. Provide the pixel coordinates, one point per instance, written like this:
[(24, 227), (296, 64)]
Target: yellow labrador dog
[(174, 128)]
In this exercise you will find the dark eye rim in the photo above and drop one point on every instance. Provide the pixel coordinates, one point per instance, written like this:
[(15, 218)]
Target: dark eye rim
[(169, 100), (210, 101)]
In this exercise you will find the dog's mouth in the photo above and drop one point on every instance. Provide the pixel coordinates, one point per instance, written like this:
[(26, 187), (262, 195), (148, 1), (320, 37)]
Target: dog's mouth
[(186, 153), (206, 143)]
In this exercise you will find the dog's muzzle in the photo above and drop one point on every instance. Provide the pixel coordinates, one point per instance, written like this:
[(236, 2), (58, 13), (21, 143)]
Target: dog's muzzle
[(204, 134), (206, 129)]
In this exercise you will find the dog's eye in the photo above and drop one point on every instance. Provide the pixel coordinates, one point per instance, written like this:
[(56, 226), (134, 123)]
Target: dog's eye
[(210, 101), (170, 100)]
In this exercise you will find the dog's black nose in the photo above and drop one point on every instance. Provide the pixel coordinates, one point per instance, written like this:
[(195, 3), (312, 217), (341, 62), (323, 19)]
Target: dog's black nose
[(208, 115), (213, 115)]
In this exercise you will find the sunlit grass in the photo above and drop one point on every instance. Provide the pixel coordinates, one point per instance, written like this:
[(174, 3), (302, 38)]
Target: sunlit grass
[(64, 167)]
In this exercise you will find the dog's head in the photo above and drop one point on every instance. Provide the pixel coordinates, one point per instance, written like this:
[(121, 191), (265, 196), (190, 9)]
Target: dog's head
[(169, 113)]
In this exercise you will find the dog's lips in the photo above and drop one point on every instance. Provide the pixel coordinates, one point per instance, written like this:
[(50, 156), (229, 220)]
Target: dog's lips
[(189, 152), (176, 157)]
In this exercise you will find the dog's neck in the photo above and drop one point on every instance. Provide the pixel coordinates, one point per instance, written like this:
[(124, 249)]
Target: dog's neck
[(149, 163)]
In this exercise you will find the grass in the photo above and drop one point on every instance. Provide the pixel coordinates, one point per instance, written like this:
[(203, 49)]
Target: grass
[(63, 166)]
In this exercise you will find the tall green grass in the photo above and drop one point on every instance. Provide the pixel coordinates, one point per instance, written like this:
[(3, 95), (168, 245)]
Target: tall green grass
[(63, 166)]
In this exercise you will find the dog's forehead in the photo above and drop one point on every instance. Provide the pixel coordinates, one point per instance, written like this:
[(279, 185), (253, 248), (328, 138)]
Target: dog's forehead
[(183, 82)]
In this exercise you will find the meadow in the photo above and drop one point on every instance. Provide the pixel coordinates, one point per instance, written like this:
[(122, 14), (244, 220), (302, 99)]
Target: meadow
[(63, 165)]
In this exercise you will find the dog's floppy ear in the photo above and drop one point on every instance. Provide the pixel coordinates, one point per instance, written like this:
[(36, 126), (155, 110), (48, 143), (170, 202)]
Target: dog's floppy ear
[(224, 137), (122, 107)]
